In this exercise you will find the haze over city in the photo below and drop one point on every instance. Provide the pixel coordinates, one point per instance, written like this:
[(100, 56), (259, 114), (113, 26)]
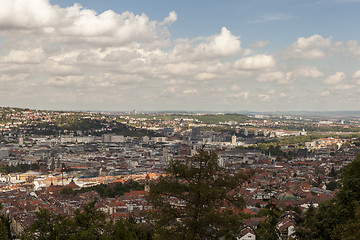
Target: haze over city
[(185, 55)]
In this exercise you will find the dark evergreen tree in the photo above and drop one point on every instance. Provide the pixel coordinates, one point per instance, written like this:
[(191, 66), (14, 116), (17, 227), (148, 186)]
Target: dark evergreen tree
[(3, 230), (189, 200)]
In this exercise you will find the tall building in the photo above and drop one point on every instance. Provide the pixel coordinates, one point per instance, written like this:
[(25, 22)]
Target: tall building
[(21, 140), (195, 133), (233, 140)]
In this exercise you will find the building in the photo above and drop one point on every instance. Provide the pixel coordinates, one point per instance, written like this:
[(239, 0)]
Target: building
[(233, 140), (246, 234), (4, 153)]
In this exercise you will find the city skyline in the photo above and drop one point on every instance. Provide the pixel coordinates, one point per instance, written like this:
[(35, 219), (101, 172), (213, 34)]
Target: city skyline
[(162, 55)]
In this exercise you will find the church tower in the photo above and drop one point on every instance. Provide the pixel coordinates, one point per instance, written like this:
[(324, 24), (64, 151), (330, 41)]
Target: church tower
[(147, 183)]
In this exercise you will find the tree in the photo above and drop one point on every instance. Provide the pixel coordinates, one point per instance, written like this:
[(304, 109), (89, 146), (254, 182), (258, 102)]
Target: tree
[(90, 223), (189, 200), (266, 229), (332, 173), (48, 226), (331, 185), (338, 218), (3, 230), (128, 229), (351, 229)]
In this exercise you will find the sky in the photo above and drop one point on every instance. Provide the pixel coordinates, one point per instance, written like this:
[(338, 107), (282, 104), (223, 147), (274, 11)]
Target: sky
[(163, 55)]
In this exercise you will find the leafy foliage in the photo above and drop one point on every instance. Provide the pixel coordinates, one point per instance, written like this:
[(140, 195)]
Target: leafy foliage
[(189, 200), (88, 223), (331, 185), (5, 232), (48, 226), (338, 218), (6, 169), (110, 190), (266, 230)]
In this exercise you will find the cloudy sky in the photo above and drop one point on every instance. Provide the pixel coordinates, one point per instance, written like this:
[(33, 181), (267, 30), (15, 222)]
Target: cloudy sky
[(231, 55)]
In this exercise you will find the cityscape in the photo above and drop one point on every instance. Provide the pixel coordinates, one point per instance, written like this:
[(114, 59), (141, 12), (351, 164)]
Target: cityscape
[(183, 120), (60, 161)]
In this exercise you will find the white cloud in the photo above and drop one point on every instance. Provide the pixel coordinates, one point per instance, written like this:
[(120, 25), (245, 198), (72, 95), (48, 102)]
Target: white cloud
[(308, 72), (311, 42), (224, 44), (218, 90), (125, 57), (264, 97), (356, 74), (170, 19), (181, 68), (205, 76), (13, 77), (244, 95), (282, 95), (271, 91), (287, 79), (248, 51), (259, 44), (29, 56), (256, 62), (77, 24), (170, 90), (25, 14), (235, 88), (278, 76), (309, 48), (342, 87), (272, 17), (353, 47), (69, 81), (190, 91), (334, 79), (206, 48), (325, 93)]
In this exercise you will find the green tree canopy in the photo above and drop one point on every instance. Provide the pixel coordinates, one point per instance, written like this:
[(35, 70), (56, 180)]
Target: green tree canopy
[(337, 219), (189, 200), (88, 223)]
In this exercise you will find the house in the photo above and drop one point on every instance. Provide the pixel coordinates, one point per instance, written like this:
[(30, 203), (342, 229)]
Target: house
[(287, 224), (286, 229), (246, 234)]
